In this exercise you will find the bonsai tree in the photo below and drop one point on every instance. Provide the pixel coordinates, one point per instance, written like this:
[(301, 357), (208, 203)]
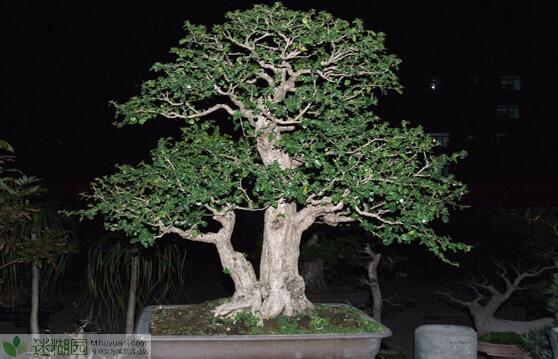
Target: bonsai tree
[(489, 298), (277, 108)]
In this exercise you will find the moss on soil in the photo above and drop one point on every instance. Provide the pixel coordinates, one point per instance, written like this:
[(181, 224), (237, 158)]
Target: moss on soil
[(198, 319), (501, 338)]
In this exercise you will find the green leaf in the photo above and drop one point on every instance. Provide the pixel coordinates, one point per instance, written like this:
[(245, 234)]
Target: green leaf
[(16, 341), (9, 349)]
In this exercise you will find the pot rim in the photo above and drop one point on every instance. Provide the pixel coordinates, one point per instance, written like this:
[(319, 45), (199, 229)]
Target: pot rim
[(503, 349)]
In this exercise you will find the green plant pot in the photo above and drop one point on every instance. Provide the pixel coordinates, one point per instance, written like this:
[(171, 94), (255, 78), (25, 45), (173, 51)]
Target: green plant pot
[(354, 346)]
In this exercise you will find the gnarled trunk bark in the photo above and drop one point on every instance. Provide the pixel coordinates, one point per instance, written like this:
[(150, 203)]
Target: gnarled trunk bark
[(247, 294), (247, 289), (281, 284), (492, 324), (280, 288), (485, 321)]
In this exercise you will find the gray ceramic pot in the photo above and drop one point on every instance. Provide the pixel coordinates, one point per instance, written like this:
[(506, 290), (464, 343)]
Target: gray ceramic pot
[(353, 346)]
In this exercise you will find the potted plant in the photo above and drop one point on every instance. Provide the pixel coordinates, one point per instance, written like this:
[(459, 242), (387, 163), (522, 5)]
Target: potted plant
[(502, 344), (537, 343), (500, 336), (293, 134)]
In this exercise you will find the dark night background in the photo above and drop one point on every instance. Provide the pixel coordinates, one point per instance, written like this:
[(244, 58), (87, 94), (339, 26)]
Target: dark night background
[(63, 62), (479, 75)]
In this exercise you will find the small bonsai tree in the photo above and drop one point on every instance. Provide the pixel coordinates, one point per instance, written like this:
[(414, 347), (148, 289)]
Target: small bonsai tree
[(304, 145), (489, 299)]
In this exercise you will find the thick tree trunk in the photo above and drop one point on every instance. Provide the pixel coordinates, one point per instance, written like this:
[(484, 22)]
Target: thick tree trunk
[(485, 320), (132, 295), (491, 324), (484, 314), (247, 294), (247, 290), (35, 278), (281, 284)]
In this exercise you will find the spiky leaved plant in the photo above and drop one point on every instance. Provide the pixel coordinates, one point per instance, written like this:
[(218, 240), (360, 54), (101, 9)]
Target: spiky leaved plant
[(123, 276)]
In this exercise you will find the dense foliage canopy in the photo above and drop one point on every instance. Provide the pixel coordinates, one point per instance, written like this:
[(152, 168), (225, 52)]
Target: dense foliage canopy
[(300, 89)]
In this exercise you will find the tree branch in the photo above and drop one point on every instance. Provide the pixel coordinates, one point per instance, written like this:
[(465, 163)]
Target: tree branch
[(225, 216), (19, 260), (378, 215), (241, 108), (456, 300), (211, 110), (322, 208)]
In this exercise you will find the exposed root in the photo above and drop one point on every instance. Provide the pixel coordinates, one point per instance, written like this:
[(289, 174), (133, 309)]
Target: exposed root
[(230, 309), (284, 304)]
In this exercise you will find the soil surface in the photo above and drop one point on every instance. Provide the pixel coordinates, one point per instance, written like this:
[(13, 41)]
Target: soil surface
[(198, 319)]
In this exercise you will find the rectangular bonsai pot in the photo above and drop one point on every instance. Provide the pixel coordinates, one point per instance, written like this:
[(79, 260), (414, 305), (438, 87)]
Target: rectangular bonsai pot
[(353, 346)]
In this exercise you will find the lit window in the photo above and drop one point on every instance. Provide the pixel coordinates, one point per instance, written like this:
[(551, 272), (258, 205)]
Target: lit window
[(434, 84), (510, 83), (440, 138), (507, 112)]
